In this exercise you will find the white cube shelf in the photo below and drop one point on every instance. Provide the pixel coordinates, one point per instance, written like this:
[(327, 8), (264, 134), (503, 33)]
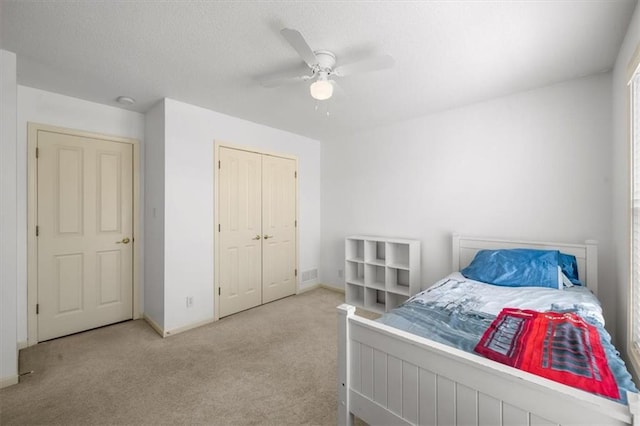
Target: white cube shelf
[(381, 273)]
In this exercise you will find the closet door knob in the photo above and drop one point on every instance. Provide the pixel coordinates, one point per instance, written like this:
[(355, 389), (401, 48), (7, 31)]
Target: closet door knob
[(257, 237), (266, 237)]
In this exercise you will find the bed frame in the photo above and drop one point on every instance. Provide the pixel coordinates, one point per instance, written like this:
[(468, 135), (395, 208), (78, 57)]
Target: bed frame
[(390, 377)]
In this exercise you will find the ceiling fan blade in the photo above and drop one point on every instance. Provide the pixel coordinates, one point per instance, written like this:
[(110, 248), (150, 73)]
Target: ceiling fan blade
[(282, 80), (298, 42), (337, 89), (370, 64)]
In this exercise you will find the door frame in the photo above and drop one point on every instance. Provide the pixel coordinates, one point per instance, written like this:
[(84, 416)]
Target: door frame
[(32, 209), (216, 215)]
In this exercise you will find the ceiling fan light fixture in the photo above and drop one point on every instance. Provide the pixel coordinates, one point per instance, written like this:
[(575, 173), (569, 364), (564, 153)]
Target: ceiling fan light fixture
[(321, 89)]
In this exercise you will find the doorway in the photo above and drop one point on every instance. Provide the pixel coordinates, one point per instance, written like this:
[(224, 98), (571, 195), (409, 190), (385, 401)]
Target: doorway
[(83, 192), (256, 256)]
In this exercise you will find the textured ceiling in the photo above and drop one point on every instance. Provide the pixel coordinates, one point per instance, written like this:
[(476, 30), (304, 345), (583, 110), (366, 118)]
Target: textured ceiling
[(206, 53)]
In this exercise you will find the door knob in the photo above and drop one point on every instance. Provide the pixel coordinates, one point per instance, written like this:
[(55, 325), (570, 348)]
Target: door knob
[(266, 237), (125, 240), (257, 237)]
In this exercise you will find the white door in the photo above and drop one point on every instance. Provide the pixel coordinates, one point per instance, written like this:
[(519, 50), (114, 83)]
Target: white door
[(257, 229), (278, 228), (240, 233), (85, 228)]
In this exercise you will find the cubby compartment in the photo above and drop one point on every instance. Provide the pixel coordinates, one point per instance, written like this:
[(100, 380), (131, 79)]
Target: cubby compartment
[(398, 281), (375, 252), (394, 300), (374, 276), (354, 272), (399, 255), (381, 273), (354, 294), (354, 250), (374, 300)]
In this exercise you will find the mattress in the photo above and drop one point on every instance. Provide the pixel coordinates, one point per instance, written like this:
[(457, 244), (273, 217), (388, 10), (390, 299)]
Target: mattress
[(457, 311)]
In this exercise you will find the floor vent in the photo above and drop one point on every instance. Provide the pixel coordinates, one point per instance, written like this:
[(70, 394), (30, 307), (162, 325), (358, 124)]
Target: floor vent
[(309, 275)]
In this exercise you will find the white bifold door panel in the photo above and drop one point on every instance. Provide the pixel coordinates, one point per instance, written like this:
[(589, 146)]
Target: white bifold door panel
[(278, 228), (240, 211), (257, 235), (85, 228)]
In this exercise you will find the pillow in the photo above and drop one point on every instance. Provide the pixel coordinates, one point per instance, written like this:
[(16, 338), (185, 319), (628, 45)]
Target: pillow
[(569, 266), (516, 268)]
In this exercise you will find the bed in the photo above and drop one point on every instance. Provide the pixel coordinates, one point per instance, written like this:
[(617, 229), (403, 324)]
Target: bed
[(389, 376)]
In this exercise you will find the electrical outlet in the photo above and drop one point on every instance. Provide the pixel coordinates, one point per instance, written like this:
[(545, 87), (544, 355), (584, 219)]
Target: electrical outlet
[(340, 273), (189, 301)]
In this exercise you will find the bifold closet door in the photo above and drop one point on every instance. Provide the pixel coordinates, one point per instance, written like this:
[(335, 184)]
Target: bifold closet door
[(257, 210), (240, 210), (278, 227)]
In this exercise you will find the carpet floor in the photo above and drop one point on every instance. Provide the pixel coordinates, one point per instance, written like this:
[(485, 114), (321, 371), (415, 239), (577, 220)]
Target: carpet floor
[(273, 365)]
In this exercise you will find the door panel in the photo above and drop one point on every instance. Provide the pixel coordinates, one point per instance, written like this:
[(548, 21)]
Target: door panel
[(69, 280), (240, 258), (85, 207), (109, 191), (70, 200), (278, 227), (109, 277)]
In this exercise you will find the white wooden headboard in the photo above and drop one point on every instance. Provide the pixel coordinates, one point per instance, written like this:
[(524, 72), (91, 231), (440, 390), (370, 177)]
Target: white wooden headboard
[(465, 248)]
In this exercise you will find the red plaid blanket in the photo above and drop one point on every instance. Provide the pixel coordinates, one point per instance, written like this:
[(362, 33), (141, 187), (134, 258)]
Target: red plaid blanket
[(558, 346)]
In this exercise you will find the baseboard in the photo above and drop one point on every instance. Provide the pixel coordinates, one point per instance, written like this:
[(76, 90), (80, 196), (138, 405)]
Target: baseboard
[(332, 288), (22, 345), (8, 381), (188, 327), (320, 285), (154, 325), (308, 288)]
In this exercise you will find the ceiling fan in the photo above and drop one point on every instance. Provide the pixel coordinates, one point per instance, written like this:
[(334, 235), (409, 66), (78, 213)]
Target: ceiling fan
[(322, 64)]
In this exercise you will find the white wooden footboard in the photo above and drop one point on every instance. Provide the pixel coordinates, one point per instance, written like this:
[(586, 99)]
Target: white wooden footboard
[(390, 377)]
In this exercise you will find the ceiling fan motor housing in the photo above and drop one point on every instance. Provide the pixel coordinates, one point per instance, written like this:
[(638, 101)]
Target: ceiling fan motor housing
[(326, 60)]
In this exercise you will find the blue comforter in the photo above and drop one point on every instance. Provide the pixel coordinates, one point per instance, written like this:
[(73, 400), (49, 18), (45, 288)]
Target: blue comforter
[(456, 312)]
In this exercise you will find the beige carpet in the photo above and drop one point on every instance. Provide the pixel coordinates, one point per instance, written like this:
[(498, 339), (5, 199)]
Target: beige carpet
[(274, 365)]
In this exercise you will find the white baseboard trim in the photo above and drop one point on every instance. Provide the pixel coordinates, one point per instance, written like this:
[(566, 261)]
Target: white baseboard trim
[(154, 325), (188, 327), (22, 345), (8, 381), (319, 285), (332, 288), (306, 288)]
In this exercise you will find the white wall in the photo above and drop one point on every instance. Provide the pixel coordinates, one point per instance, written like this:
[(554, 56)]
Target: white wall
[(534, 165), (43, 107), (621, 176), (8, 220), (190, 133), (154, 214)]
